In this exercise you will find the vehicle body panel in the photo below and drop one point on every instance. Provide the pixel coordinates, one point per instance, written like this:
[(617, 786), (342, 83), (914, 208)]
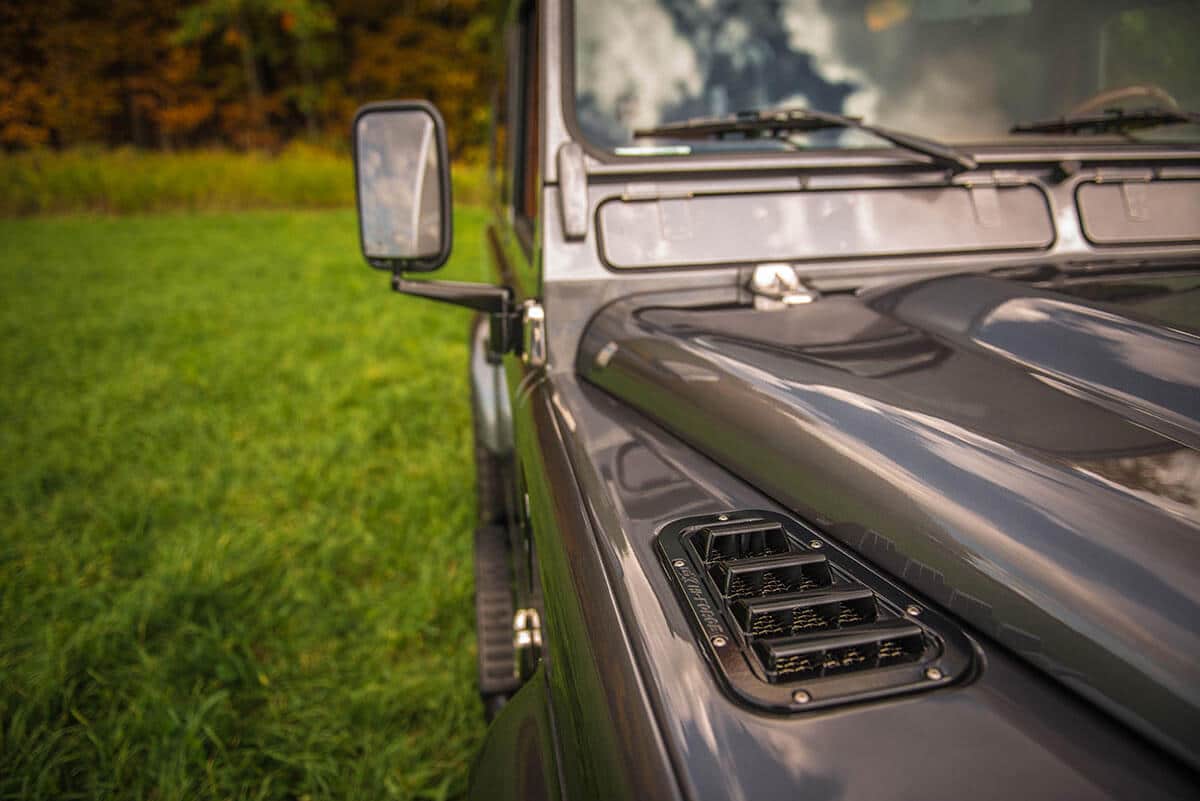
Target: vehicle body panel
[(1009, 731), (519, 762), (988, 483), (608, 744), (960, 474)]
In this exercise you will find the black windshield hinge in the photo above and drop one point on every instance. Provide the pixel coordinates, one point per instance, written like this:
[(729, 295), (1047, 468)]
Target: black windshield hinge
[(496, 301)]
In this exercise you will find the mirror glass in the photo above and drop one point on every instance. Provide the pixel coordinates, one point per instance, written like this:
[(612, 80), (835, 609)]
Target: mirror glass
[(400, 205)]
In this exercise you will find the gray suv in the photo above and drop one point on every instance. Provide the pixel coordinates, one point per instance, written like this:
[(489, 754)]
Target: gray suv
[(837, 399)]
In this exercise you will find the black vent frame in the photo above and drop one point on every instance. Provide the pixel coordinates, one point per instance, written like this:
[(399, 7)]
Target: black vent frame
[(792, 622)]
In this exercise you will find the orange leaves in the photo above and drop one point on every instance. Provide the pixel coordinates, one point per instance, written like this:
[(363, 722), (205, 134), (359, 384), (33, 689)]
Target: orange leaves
[(427, 55), (246, 73), (185, 117)]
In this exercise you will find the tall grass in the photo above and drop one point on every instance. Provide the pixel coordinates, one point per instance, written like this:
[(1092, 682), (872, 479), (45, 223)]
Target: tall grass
[(128, 182), (235, 514)]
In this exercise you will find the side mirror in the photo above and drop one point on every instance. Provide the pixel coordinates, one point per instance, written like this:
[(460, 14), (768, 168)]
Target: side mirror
[(402, 183)]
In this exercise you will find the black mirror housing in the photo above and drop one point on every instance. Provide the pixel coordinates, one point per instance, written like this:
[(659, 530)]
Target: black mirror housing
[(402, 186)]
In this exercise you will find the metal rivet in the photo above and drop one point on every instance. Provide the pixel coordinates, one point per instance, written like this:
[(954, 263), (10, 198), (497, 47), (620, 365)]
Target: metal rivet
[(815, 544), (722, 517), (679, 563), (913, 609), (719, 641), (801, 697), (934, 674)]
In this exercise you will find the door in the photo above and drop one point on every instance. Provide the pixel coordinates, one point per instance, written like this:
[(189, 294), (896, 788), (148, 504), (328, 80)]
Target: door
[(513, 244)]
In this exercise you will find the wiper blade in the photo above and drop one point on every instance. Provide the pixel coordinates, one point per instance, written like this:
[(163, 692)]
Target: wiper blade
[(778, 123), (1111, 121)]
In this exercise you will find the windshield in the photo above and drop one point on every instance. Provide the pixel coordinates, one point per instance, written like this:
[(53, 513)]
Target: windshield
[(962, 71)]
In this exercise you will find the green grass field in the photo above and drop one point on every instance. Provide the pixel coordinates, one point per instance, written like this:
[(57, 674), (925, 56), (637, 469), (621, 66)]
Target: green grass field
[(236, 500)]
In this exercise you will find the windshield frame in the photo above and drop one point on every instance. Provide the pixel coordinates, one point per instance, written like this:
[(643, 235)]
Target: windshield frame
[(1038, 149)]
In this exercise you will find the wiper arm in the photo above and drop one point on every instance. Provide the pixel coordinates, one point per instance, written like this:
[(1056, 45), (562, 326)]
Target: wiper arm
[(779, 123), (1113, 120)]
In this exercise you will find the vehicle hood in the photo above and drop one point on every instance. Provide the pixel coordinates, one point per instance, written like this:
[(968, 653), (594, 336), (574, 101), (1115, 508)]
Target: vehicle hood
[(1025, 458)]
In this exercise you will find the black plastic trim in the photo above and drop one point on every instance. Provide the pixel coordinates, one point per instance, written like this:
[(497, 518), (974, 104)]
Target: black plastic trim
[(932, 651)]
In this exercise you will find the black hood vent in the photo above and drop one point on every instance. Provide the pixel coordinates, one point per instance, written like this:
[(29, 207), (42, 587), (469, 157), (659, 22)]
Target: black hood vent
[(793, 622)]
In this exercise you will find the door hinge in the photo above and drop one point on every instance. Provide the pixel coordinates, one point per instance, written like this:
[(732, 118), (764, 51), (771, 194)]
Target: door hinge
[(533, 334), (572, 191), (527, 640)]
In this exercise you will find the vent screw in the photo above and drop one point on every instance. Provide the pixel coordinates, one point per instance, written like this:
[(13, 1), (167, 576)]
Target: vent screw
[(934, 674), (722, 517), (679, 563), (719, 641), (913, 610), (801, 697), (815, 544)]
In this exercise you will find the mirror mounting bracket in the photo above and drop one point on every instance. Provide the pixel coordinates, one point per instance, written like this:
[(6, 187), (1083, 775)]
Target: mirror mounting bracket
[(496, 301)]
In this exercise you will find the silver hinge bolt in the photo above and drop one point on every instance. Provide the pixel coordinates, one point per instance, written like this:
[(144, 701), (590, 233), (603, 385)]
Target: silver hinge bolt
[(533, 334)]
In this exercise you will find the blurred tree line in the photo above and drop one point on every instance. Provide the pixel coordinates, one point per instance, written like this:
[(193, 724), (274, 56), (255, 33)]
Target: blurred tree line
[(249, 74)]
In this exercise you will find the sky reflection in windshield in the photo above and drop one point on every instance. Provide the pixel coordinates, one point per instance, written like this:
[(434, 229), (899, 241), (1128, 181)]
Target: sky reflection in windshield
[(958, 70)]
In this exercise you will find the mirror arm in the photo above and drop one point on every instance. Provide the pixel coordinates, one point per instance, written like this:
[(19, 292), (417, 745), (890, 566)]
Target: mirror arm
[(496, 301), (482, 297)]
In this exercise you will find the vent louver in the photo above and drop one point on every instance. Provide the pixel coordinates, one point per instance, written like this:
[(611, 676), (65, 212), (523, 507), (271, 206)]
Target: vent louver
[(794, 622)]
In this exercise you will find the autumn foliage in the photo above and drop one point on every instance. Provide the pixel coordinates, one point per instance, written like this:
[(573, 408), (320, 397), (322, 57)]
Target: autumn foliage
[(248, 74)]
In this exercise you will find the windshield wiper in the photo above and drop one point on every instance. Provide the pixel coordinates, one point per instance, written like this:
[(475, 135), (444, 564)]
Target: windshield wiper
[(778, 123), (1111, 121)]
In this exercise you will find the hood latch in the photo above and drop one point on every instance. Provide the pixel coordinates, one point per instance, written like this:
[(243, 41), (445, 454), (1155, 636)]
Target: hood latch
[(776, 285)]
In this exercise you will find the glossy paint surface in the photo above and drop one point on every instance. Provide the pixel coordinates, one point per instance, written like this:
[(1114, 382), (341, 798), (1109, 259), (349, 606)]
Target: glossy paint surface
[(1008, 732), (521, 736), (971, 474), (633, 708)]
